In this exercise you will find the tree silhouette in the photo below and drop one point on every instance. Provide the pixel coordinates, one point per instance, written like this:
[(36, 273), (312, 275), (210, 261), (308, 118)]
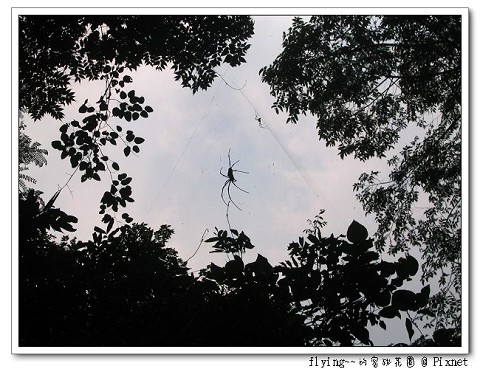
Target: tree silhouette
[(125, 287), (127, 290), (341, 287), (365, 79), (28, 153), (130, 289), (54, 51)]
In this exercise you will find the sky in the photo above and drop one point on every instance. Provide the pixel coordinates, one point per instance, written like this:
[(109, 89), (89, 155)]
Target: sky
[(176, 175)]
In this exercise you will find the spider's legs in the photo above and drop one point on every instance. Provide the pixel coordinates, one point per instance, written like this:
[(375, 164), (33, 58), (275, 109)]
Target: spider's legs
[(230, 197), (230, 179), (229, 160), (222, 173), (223, 189), (241, 171), (236, 170), (241, 189)]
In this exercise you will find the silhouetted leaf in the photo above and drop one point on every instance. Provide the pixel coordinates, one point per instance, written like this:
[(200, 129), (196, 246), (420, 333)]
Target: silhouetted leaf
[(423, 296), (356, 232), (83, 165), (261, 266), (362, 334), (110, 225), (397, 282), (313, 239), (57, 145), (406, 266), (217, 273), (234, 268), (387, 269), (98, 230), (383, 298), (389, 312), (408, 325), (404, 300), (116, 112), (212, 239), (130, 136)]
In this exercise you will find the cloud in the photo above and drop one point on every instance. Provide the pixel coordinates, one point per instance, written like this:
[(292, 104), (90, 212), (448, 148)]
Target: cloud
[(176, 178)]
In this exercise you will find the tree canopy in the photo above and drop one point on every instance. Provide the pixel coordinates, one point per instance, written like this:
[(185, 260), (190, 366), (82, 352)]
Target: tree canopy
[(28, 153), (130, 289), (54, 50), (365, 79)]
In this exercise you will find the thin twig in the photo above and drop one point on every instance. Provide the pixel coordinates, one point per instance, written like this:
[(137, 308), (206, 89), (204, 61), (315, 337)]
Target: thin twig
[(228, 220), (200, 244)]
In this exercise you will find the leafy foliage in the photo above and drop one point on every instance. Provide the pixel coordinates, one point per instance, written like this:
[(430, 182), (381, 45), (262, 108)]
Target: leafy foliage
[(254, 308), (83, 294), (365, 79), (438, 232), (28, 153), (335, 287), (340, 286), (128, 288), (236, 244), (57, 50), (125, 287), (40, 217)]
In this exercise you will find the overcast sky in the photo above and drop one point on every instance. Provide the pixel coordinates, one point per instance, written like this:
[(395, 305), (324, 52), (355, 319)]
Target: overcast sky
[(176, 179)]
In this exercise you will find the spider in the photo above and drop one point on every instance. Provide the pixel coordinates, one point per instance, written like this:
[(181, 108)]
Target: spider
[(230, 180)]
